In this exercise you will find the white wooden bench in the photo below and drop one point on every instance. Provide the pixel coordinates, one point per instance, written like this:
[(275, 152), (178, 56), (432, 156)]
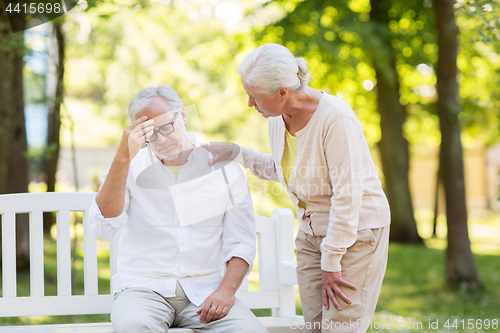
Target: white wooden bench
[(276, 267)]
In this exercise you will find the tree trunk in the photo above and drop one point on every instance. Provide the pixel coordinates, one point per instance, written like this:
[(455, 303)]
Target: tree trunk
[(436, 202), (393, 145), (460, 266), (54, 121), (13, 142)]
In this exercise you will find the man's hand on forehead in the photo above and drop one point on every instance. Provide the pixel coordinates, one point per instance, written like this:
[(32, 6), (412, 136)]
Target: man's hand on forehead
[(134, 136)]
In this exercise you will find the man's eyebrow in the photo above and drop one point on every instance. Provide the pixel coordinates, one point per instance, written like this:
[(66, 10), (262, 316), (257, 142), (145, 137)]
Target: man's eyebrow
[(165, 121)]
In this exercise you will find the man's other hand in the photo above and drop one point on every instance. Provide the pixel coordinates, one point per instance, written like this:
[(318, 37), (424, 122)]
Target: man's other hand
[(217, 305)]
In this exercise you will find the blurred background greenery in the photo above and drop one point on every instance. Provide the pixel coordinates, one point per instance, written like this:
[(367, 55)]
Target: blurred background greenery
[(79, 72)]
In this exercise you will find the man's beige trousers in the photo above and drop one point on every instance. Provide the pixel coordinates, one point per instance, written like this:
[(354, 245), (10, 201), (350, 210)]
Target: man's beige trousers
[(363, 264), (140, 310)]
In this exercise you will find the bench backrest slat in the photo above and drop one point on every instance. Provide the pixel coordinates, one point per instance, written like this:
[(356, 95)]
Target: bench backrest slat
[(63, 253), (36, 254), (286, 255), (89, 259), (267, 251), (9, 283)]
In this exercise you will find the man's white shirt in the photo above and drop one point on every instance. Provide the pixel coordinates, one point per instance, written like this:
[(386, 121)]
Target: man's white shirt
[(182, 230)]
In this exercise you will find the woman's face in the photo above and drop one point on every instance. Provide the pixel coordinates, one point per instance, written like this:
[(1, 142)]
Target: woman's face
[(266, 105)]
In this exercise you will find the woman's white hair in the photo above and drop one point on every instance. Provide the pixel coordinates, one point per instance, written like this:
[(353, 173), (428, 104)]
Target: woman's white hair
[(271, 66), (144, 97)]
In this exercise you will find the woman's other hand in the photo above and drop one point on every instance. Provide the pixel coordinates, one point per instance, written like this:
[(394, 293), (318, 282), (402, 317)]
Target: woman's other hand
[(331, 289)]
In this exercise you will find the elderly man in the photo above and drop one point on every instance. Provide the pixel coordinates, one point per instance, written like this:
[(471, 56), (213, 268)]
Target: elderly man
[(180, 224)]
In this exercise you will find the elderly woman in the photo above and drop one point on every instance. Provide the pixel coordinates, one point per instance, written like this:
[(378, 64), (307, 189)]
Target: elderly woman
[(320, 155)]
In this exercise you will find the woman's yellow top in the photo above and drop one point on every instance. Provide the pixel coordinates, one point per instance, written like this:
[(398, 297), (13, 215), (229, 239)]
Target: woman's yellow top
[(289, 155), (289, 158)]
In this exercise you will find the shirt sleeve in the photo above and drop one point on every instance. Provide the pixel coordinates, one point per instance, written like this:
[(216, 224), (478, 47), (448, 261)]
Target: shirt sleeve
[(343, 152), (260, 164), (101, 226), (239, 234)]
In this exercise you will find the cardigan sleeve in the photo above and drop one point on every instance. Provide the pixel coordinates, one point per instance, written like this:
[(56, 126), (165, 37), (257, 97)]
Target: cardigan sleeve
[(260, 164), (343, 151)]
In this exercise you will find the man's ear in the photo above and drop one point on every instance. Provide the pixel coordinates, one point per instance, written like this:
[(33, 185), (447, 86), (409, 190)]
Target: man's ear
[(184, 116)]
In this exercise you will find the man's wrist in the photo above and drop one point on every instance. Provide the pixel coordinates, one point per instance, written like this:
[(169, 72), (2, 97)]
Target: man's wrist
[(236, 268), (121, 159), (228, 287)]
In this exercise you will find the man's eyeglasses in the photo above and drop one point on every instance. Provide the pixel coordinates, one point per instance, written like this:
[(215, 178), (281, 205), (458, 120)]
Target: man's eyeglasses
[(164, 130)]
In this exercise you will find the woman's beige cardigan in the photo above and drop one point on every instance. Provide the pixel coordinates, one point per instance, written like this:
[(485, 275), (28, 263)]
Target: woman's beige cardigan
[(334, 176)]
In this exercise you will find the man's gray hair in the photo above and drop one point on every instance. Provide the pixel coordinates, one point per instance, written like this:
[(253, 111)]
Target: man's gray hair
[(271, 66), (144, 97)]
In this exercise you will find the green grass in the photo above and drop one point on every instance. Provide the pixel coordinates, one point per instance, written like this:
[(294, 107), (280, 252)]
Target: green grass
[(414, 291)]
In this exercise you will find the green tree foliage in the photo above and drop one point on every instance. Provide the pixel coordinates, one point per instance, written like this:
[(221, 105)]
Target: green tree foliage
[(479, 67), (337, 39), (461, 269), (341, 43), (121, 50), (115, 49), (118, 47), (393, 146)]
